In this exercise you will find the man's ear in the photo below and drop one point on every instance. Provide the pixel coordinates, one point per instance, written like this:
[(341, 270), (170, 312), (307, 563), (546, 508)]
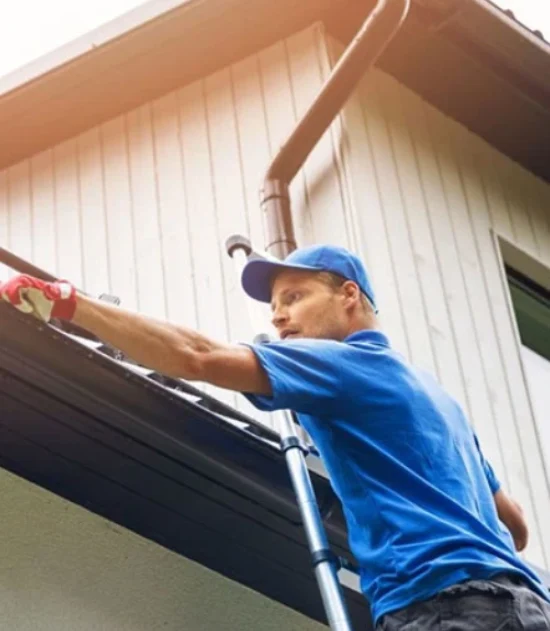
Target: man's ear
[(352, 293)]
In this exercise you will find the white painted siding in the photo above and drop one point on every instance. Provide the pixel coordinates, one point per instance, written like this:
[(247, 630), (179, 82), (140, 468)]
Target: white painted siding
[(427, 195), (141, 206)]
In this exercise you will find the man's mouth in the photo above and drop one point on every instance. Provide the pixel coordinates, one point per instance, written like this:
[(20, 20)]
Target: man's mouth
[(286, 333)]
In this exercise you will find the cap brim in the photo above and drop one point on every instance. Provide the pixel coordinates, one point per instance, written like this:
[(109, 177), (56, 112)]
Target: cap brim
[(258, 274)]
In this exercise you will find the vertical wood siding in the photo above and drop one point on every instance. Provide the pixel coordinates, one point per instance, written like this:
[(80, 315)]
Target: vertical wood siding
[(428, 195), (140, 207)]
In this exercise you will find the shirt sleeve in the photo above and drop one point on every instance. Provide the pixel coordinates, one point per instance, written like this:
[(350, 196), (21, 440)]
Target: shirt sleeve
[(305, 375), (492, 479)]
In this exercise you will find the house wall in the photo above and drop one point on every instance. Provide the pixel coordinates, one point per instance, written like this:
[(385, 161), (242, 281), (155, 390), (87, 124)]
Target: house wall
[(140, 207), (429, 198), (67, 569)]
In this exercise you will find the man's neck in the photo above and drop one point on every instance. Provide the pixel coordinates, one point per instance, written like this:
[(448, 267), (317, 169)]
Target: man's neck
[(368, 321)]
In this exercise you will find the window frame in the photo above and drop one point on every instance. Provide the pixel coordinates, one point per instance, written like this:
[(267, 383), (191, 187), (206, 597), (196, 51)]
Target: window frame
[(530, 266)]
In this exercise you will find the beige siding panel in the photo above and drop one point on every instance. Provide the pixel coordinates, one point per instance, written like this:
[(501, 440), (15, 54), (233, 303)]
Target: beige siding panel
[(229, 198), (95, 251), (308, 69), (252, 137), (205, 242), (152, 297), (67, 205), (118, 211), (280, 119), (369, 220), (417, 175), (410, 229), (499, 216), (517, 198), (228, 184), (20, 210), (44, 232), (470, 292), (528, 192), (456, 331), (173, 212), (254, 155)]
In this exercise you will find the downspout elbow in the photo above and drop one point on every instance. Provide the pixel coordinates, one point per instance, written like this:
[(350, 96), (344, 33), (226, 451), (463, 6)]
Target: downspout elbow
[(368, 44)]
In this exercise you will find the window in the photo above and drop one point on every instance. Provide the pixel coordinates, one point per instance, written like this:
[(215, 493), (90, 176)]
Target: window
[(532, 308), (531, 303)]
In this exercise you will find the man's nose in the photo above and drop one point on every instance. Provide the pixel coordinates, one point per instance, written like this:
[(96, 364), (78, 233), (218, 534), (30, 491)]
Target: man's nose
[(279, 317)]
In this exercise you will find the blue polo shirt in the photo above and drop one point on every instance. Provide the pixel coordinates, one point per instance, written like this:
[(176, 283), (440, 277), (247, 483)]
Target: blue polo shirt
[(415, 488)]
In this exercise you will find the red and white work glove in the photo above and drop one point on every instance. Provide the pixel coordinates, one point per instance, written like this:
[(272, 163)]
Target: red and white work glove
[(41, 299)]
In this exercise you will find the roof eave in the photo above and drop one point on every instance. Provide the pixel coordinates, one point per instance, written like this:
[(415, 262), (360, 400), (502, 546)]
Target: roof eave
[(135, 59), (476, 64)]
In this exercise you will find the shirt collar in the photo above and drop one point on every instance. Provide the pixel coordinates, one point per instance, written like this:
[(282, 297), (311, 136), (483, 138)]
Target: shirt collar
[(368, 335)]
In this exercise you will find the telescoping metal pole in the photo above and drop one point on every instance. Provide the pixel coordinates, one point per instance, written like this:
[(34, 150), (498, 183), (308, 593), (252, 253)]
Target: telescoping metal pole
[(324, 561)]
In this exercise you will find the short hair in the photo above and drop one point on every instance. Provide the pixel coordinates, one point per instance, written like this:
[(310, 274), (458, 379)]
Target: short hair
[(335, 281)]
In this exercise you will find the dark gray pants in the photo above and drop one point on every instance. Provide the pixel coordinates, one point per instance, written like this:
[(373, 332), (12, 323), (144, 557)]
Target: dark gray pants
[(500, 604)]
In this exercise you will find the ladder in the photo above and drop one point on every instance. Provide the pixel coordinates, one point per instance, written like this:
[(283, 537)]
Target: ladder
[(324, 562)]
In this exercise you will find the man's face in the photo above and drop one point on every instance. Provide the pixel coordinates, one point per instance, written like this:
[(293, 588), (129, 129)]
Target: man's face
[(304, 306)]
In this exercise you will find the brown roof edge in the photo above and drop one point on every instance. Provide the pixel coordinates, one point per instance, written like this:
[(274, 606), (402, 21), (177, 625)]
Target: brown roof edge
[(477, 65), (165, 44), (481, 25), (87, 44), (509, 43), (129, 62), (139, 17), (536, 33)]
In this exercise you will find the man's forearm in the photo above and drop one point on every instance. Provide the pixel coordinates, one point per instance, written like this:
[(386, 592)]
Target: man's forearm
[(167, 348)]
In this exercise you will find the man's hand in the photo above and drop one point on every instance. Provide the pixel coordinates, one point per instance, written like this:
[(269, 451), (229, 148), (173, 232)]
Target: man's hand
[(511, 514), (41, 299)]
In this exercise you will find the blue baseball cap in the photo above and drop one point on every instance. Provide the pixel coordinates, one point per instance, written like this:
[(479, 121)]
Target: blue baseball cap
[(258, 273)]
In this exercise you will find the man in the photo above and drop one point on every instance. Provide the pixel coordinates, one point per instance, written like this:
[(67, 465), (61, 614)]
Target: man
[(431, 529)]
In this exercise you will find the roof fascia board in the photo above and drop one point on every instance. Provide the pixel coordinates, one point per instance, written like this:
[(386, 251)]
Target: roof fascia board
[(184, 44), (457, 70), (509, 49), (191, 514), (157, 416), (133, 62), (488, 7), (90, 43)]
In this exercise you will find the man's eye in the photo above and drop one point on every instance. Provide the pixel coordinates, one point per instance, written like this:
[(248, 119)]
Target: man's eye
[(295, 296)]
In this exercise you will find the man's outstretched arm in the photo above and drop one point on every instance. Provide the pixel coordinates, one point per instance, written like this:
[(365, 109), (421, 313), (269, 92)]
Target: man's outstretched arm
[(164, 347)]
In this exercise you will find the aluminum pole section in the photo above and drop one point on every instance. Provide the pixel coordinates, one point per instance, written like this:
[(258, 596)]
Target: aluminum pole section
[(324, 561)]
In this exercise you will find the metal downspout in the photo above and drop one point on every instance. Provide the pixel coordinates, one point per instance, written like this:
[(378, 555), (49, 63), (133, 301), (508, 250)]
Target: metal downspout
[(372, 38)]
